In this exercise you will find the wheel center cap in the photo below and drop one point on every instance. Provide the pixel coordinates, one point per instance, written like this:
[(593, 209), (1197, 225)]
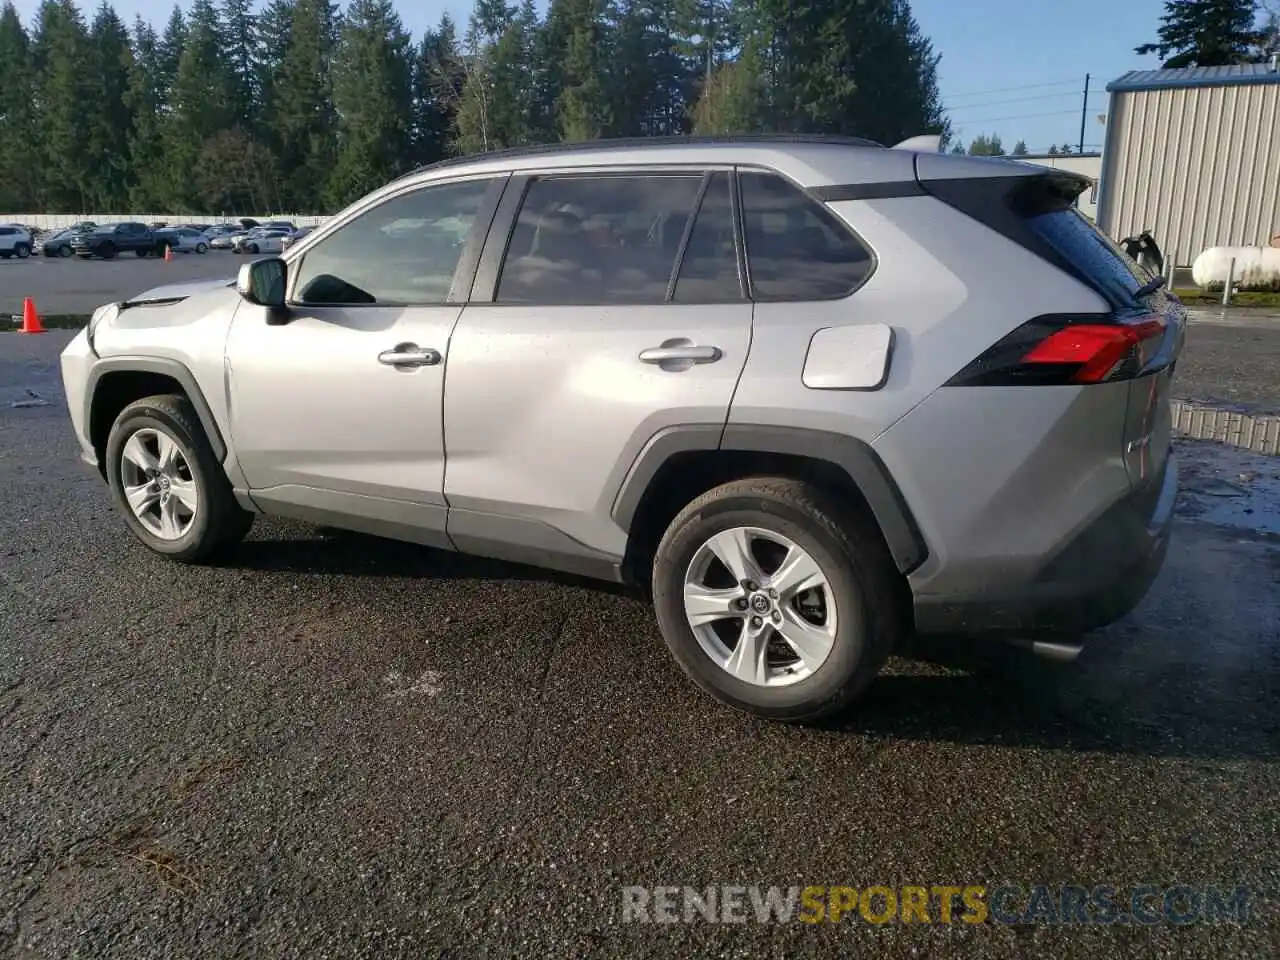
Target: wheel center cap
[(760, 603), (163, 483)]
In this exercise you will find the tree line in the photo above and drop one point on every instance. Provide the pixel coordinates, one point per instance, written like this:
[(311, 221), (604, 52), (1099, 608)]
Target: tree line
[(305, 106)]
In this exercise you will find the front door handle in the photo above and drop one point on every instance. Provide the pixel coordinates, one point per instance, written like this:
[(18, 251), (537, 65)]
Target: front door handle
[(409, 355), (688, 353)]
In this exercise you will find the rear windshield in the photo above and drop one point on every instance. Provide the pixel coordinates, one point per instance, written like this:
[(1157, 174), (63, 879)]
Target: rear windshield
[(1091, 251)]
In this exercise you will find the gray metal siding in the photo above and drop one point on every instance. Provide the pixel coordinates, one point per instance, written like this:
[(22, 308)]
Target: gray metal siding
[(1198, 166)]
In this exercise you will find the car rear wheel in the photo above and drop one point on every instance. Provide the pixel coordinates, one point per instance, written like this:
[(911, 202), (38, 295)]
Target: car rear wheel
[(107, 251), (202, 248), (777, 600), (142, 253), (168, 483), (22, 250)]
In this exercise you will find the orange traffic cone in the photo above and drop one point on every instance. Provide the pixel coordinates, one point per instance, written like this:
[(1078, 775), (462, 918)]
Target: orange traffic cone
[(30, 319), (168, 253)]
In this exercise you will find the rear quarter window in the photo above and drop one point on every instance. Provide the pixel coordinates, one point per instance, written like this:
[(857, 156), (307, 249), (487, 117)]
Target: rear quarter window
[(797, 249)]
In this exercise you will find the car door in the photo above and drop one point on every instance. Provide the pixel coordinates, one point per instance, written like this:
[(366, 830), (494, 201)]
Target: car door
[(336, 411), (613, 315)]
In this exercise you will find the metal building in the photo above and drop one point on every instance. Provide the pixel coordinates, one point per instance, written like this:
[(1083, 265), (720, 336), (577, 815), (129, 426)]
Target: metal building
[(1193, 155)]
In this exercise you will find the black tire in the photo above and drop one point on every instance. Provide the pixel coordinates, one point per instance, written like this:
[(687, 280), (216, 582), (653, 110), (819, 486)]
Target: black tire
[(107, 251), (251, 247), (22, 250), (64, 251), (202, 248), (867, 590), (142, 253), (219, 521)]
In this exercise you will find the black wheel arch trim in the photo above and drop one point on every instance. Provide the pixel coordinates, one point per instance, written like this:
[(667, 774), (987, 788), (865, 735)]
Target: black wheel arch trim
[(165, 367), (855, 457)]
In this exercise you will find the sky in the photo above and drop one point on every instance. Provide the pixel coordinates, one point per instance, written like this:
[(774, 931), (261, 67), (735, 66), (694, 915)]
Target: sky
[(1015, 68)]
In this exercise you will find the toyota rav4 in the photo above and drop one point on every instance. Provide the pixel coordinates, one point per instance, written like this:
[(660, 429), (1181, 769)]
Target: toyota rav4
[(811, 394)]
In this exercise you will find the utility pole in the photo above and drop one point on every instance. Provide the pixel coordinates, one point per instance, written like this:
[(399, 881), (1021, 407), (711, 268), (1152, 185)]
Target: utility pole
[(1084, 111)]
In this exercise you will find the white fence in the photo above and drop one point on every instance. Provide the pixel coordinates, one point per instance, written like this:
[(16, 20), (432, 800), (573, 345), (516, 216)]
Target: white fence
[(59, 221)]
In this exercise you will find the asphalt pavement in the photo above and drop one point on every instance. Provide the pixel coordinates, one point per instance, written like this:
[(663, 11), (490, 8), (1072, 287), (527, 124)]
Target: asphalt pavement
[(70, 285), (336, 746)]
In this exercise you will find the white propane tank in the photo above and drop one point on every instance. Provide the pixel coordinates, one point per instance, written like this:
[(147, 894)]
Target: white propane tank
[(1257, 268)]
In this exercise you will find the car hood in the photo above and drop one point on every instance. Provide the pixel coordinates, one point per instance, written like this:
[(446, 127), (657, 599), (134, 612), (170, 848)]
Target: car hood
[(175, 290)]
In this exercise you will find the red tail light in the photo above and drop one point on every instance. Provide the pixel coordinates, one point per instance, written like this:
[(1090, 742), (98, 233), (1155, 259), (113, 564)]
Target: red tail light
[(1052, 351)]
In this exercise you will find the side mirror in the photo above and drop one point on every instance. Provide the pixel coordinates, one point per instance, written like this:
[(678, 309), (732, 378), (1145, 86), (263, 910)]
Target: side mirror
[(262, 282)]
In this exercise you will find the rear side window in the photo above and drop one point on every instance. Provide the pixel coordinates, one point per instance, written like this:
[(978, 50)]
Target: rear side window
[(597, 239), (709, 270), (796, 248), (1090, 251)]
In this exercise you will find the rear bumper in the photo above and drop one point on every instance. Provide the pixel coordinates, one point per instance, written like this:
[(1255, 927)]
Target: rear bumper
[(1096, 579)]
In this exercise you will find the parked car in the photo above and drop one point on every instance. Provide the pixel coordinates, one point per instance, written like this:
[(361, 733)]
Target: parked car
[(15, 241), (183, 240), (224, 241), (261, 240), (811, 393), (116, 238), (58, 243), (288, 241)]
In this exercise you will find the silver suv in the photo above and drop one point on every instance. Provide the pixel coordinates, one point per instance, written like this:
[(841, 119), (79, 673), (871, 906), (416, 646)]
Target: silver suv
[(811, 393)]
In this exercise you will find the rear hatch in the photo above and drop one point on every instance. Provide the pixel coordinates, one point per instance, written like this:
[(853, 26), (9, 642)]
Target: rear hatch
[(1161, 316), (1136, 338)]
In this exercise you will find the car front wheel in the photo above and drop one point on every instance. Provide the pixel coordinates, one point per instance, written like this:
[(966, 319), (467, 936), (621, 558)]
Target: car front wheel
[(777, 600), (168, 483)]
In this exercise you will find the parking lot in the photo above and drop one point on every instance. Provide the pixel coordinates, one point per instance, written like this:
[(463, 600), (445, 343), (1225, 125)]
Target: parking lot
[(336, 746), (71, 285)]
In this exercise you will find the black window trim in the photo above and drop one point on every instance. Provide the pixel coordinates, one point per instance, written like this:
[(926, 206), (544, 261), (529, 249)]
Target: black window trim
[(463, 271), (484, 289), (835, 221)]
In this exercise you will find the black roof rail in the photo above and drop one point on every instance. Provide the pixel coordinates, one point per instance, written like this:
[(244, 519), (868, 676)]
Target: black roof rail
[(631, 143)]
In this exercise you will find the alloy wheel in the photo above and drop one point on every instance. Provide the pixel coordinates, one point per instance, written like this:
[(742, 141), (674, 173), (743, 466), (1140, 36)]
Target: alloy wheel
[(760, 606), (158, 483)]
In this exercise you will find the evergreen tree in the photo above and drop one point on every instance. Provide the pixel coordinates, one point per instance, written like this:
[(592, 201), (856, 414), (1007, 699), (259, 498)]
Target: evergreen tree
[(200, 104), (1019, 149), (107, 147), (300, 111), (1206, 33), (240, 53), (64, 102), (582, 108), (733, 99), (17, 126), (372, 96), (143, 99), (169, 52), (439, 78), (986, 146)]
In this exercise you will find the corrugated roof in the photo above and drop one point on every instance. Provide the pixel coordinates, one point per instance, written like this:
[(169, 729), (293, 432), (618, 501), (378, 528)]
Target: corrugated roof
[(1236, 73)]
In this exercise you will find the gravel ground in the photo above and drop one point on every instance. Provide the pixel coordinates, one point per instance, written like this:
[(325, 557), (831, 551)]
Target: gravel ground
[(344, 747)]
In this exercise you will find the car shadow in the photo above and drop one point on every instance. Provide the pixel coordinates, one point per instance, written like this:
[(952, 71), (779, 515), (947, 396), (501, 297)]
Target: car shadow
[(1130, 692), (344, 553)]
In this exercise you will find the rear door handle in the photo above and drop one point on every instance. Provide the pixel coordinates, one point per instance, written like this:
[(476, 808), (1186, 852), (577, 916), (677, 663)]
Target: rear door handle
[(689, 353), (409, 355)]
